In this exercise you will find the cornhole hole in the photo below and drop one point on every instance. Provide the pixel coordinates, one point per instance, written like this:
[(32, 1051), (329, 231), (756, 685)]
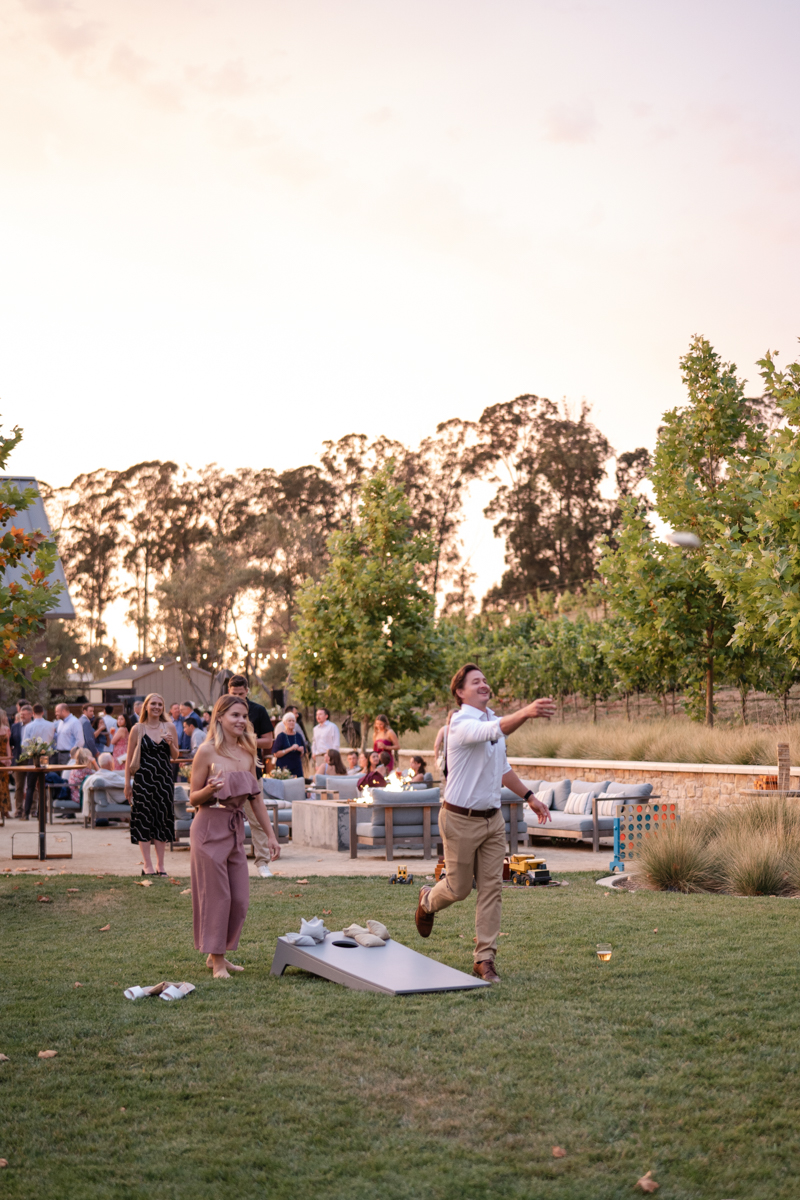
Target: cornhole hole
[(392, 969)]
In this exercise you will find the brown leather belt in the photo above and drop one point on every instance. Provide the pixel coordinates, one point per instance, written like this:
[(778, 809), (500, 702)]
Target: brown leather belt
[(470, 812)]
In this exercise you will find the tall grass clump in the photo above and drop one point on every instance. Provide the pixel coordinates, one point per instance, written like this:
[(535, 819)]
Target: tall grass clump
[(750, 850)]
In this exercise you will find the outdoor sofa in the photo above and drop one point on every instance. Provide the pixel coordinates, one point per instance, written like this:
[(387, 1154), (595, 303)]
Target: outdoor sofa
[(183, 819), (591, 824), (412, 819)]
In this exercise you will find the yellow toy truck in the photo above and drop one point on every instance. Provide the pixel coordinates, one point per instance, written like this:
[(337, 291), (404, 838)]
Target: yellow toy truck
[(402, 876), (527, 871)]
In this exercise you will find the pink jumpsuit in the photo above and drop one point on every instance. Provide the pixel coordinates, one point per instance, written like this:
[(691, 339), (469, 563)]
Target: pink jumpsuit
[(220, 880)]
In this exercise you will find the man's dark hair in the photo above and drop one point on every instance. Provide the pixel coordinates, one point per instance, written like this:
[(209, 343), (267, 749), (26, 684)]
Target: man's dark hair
[(109, 710), (188, 704), (191, 721), (38, 710), (322, 708), (458, 680), (85, 706), (238, 681)]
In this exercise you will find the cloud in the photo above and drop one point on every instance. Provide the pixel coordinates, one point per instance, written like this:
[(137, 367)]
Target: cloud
[(128, 65), (571, 122), (133, 68), (231, 79)]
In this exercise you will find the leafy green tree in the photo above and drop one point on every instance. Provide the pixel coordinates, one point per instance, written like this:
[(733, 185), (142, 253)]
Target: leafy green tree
[(676, 614), (755, 560), (23, 605), (365, 639)]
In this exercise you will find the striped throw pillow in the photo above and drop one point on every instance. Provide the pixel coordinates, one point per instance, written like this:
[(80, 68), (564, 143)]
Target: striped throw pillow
[(578, 802), (608, 808)]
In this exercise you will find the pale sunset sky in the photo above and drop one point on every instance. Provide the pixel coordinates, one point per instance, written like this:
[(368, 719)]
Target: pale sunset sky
[(231, 230)]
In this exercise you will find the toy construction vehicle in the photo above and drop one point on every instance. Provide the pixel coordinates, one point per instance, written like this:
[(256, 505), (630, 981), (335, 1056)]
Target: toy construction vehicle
[(525, 870), (402, 876)]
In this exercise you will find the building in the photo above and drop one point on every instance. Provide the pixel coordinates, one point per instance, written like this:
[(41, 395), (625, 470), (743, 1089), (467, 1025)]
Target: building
[(175, 681)]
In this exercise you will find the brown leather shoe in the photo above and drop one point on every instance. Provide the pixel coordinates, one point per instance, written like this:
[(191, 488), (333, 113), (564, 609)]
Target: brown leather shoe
[(422, 919), (486, 970)]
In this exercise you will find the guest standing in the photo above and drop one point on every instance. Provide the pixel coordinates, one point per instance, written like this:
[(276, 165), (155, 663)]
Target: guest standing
[(69, 734), (152, 748), (110, 719), (288, 748), (385, 738), (23, 718), (223, 779), (325, 737), (44, 731), (87, 716), (261, 724), (119, 741), (197, 733)]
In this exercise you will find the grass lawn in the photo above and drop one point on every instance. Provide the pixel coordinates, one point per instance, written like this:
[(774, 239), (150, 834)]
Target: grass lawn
[(680, 1056)]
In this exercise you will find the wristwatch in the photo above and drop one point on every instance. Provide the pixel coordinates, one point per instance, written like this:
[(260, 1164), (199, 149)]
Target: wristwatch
[(527, 795)]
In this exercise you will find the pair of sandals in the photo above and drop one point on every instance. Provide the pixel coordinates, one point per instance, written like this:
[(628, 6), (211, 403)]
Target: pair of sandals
[(164, 991)]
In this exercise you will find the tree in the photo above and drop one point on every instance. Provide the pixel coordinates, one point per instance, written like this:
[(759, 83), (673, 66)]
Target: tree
[(755, 559), (23, 605), (365, 639), (550, 511), (675, 612)]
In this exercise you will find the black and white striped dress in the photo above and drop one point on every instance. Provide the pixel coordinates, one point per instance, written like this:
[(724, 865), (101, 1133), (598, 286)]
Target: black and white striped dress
[(152, 813)]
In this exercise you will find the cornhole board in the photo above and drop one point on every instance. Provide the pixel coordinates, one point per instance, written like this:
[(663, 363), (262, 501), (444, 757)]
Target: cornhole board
[(392, 969)]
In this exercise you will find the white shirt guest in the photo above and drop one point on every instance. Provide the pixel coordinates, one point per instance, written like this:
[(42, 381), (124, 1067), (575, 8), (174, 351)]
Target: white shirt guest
[(325, 737), (69, 734)]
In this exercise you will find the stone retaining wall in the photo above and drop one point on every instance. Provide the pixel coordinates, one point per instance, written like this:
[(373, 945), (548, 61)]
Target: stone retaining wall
[(695, 785)]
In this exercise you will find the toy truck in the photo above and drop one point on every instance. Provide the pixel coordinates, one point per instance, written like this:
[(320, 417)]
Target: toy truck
[(402, 876), (527, 871)]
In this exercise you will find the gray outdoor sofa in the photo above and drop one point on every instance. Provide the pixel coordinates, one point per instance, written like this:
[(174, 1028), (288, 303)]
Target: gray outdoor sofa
[(584, 827), (412, 819)]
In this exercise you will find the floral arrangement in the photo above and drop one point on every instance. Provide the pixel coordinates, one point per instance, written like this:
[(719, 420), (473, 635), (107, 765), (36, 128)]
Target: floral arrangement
[(34, 748), (281, 773)]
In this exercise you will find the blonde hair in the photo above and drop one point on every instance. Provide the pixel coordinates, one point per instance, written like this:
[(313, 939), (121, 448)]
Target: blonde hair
[(246, 740), (84, 757), (144, 715)]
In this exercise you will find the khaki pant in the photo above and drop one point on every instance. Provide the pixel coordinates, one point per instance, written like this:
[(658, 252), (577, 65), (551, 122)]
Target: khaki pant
[(473, 846), (260, 841)]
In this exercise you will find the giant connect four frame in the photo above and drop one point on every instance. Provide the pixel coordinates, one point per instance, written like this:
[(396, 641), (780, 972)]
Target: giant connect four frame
[(637, 821)]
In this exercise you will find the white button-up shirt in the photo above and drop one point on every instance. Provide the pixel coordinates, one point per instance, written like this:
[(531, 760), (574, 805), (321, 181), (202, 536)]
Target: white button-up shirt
[(325, 737), (476, 759)]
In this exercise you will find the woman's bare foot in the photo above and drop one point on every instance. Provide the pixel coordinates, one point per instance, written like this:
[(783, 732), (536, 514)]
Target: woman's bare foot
[(218, 963), (229, 965)]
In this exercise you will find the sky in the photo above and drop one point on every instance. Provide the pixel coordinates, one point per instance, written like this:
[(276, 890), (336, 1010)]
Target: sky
[(231, 230)]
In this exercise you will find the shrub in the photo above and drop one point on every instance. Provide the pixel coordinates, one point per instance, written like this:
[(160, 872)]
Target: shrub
[(681, 859), (752, 864)]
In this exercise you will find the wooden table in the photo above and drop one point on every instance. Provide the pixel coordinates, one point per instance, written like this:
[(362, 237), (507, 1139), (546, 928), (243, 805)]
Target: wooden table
[(42, 854)]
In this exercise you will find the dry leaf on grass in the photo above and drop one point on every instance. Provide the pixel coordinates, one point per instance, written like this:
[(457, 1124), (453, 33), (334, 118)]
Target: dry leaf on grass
[(47, 1053), (297, 895), (104, 928), (77, 985), (73, 889), (504, 935), (4, 1058), (44, 899), (326, 912), (647, 1183), (144, 883), (301, 881), (177, 882), (3, 1162), (186, 892), (558, 1152), (122, 1109), (655, 931)]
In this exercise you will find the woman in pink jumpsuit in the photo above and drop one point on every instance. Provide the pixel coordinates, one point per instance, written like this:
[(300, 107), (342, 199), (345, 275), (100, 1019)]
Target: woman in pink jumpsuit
[(223, 778)]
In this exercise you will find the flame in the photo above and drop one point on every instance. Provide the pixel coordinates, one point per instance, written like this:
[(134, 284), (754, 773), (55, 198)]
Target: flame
[(395, 783)]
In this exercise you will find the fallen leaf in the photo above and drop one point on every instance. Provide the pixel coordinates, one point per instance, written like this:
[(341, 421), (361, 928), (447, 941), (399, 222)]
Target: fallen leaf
[(77, 985), (44, 899), (186, 892), (558, 1152), (122, 1109), (297, 895), (104, 928), (461, 935), (177, 882), (73, 889), (4, 1058), (655, 931), (144, 883), (326, 912), (3, 1162), (504, 935), (647, 1183), (301, 881), (47, 1053)]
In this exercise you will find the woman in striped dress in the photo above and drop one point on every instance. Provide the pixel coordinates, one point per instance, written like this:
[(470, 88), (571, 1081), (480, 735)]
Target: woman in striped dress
[(152, 749)]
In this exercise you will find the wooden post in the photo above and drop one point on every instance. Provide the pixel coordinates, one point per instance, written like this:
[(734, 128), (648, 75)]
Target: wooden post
[(426, 831), (353, 834), (783, 767), (388, 814)]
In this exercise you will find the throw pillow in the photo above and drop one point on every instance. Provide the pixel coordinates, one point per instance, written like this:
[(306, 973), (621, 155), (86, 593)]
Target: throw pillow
[(578, 802), (544, 796), (607, 808)]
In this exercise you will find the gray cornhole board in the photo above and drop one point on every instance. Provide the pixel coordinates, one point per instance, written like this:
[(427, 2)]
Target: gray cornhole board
[(392, 969)]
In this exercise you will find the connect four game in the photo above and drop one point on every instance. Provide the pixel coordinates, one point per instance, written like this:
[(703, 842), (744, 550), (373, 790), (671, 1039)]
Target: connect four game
[(637, 821)]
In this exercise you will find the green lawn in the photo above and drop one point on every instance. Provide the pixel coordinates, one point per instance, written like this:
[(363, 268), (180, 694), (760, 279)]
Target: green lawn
[(680, 1056)]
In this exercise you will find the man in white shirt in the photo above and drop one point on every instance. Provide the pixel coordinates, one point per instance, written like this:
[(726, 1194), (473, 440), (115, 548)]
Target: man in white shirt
[(471, 820), (324, 738), (39, 727), (69, 734), (109, 720)]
